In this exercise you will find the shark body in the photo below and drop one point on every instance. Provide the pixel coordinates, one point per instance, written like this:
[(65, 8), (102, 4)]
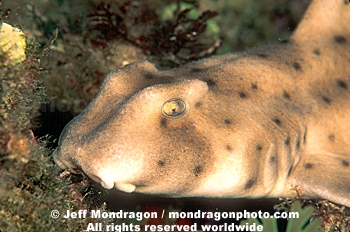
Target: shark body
[(253, 124)]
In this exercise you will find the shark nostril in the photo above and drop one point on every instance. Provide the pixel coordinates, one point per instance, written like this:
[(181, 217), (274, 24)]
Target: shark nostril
[(57, 160), (65, 160), (139, 185)]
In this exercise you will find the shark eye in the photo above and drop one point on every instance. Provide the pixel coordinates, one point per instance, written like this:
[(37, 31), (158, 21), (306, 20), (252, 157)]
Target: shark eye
[(174, 108)]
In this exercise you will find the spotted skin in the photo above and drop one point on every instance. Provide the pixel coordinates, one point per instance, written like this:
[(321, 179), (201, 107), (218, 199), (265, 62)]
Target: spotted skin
[(250, 124)]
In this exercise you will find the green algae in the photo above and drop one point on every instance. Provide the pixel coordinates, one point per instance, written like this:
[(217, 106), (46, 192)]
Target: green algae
[(303, 223)]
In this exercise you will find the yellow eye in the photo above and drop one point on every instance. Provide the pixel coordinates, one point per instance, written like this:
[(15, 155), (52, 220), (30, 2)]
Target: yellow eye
[(174, 108)]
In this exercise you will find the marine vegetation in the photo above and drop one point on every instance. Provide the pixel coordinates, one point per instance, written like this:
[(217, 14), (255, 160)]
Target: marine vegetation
[(305, 222), (30, 187), (175, 40)]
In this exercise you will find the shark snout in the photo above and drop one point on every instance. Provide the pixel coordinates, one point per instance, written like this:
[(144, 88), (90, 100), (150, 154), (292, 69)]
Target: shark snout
[(110, 171), (61, 162)]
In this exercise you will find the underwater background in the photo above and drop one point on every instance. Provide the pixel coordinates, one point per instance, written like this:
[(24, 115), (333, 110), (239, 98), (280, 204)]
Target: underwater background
[(51, 74)]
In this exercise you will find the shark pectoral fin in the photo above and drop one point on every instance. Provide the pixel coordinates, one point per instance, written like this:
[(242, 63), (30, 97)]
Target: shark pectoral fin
[(324, 176)]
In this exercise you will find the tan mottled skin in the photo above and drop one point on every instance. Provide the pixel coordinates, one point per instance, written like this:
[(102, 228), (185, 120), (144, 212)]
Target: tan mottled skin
[(256, 123)]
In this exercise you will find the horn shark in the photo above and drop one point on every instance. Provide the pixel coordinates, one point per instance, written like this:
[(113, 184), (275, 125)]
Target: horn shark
[(252, 124)]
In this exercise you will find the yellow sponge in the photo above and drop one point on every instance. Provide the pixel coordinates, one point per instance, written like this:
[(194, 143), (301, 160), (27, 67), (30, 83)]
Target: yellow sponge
[(12, 44)]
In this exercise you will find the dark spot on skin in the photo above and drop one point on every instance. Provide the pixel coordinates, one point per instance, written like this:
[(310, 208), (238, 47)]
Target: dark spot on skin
[(286, 95), (195, 70), (242, 95), (304, 136), (161, 163), (308, 166), (331, 137), (198, 104), (346, 2), (229, 148), (164, 122), (198, 170), (227, 121), (211, 83), (272, 159), (339, 39), (317, 52), (277, 121), (287, 141), (342, 84), (254, 86), (326, 99), (140, 185), (262, 55), (289, 171), (249, 184), (345, 163), (148, 76), (297, 145), (297, 66), (258, 147)]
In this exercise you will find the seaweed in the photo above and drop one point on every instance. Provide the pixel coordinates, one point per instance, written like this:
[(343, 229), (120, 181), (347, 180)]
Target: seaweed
[(29, 185), (336, 217), (304, 223), (175, 41), (4, 13)]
